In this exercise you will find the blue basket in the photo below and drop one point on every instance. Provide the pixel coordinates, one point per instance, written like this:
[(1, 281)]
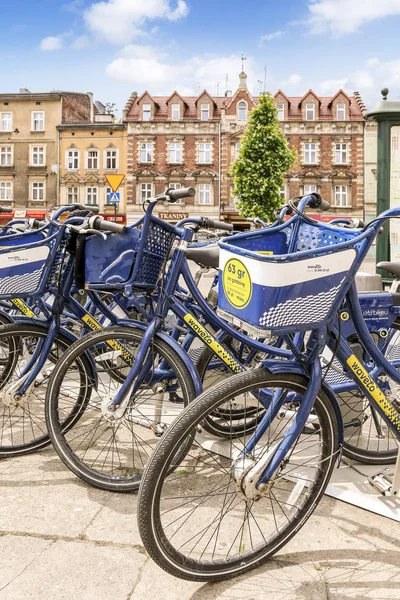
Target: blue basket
[(135, 258), (285, 278), (28, 268)]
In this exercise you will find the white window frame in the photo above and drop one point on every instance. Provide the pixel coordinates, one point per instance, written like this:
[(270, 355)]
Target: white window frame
[(204, 152), (146, 152), (309, 188), (342, 110), (36, 121), (146, 112), (6, 158), (38, 189), (40, 152), (176, 112), (107, 193), (204, 194), (145, 191), (242, 111), (309, 152), (282, 192), (238, 146), (310, 112), (281, 111), (342, 198), (92, 195), (113, 158), (176, 186), (72, 194), (175, 152), (341, 154), (93, 159), (72, 157), (6, 191), (205, 112), (2, 122)]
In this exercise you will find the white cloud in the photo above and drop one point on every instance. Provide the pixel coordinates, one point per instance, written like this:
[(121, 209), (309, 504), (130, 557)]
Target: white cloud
[(331, 86), (145, 67), (293, 79), (346, 16), (52, 43), (120, 21), (80, 43), (271, 36)]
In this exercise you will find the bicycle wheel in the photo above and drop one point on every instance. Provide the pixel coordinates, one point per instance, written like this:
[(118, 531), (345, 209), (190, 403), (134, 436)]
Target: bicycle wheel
[(107, 450), (200, 521), (22, 420)]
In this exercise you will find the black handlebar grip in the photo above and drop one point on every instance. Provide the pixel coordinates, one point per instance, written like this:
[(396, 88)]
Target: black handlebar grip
[(174, 195), (36, 224), (102, 225), (211, 224), (324, 205)]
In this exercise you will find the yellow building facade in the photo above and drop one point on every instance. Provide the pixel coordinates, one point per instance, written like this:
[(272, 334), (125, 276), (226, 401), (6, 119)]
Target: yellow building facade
[(89, 152)]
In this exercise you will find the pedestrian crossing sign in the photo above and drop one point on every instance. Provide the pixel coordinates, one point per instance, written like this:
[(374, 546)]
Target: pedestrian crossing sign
[(115, 197)]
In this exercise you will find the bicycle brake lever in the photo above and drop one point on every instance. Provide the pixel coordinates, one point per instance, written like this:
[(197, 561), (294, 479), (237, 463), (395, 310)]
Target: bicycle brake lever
[(92, 231)]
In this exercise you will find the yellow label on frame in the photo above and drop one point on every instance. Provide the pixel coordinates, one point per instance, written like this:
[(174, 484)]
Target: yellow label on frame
[(24, 308), (95, 326), (237, 283), (374, 390), (212, 343)]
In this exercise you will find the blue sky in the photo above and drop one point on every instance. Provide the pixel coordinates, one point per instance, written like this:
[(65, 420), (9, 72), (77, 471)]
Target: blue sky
[(116, 46)]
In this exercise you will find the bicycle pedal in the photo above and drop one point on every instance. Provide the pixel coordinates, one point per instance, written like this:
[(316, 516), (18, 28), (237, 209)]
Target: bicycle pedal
[(381, 482)]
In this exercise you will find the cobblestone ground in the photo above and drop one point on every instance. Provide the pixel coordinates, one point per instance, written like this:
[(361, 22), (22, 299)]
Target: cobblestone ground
[(62, 539)]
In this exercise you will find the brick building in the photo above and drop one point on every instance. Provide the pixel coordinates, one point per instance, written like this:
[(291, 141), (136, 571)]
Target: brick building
[(173, 142), (181, 141)]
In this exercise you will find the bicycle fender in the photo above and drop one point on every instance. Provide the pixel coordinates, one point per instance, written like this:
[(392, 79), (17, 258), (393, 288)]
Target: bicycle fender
[(5, 318), (276, 366), (198, 386)]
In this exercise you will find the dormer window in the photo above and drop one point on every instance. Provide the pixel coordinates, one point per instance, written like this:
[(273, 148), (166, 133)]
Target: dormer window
[(242, 111), (281, 111), (310, 112), (176, 112), (146, 112), (341, 112), (205, 112)]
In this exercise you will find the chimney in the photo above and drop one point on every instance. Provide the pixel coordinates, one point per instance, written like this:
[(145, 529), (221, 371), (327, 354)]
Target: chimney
[(242, 81), (90, 94), (24, 91), (228, 93)]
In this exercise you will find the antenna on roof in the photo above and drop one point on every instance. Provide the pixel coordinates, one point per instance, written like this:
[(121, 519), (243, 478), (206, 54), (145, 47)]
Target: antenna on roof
[(217, 86), (243, 59)]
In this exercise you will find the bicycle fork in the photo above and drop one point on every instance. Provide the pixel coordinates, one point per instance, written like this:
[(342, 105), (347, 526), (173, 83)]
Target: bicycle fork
[(253, 477)]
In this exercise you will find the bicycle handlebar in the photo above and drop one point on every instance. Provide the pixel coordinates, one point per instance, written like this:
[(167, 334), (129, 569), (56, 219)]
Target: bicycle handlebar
[(211, 224), (99, 224), (174, 195)]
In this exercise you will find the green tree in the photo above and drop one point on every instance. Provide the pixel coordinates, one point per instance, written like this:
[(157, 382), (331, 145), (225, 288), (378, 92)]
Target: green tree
[(263, 160)]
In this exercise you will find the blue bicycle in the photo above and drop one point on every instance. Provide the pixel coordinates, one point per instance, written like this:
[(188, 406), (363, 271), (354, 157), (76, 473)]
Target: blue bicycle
[(230, 504)]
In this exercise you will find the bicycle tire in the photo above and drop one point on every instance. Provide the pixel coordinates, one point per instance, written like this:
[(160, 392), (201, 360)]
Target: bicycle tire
[(22, 425), (83, 461), (168, 554)]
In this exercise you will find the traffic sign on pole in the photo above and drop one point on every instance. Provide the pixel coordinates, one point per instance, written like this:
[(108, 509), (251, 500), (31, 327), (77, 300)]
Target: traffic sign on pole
[(115, 197), (115, 181)]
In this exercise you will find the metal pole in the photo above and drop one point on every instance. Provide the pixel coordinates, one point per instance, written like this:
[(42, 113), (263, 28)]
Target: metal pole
[(115, 212)]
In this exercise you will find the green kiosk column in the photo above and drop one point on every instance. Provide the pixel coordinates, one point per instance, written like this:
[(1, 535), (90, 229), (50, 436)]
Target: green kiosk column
[(387, 115)]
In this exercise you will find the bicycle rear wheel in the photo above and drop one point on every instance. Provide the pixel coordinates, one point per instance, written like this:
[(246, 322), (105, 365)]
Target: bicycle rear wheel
[(199, 521)]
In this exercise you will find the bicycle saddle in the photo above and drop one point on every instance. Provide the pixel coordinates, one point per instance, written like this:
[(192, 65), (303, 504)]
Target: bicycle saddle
[(207, 256), (390, 267)]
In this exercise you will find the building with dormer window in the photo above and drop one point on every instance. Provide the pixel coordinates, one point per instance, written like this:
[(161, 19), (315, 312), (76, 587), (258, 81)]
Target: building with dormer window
[(193, 141)]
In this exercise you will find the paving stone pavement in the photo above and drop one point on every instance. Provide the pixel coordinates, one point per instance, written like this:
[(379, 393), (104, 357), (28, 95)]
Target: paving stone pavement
[(62, 539)]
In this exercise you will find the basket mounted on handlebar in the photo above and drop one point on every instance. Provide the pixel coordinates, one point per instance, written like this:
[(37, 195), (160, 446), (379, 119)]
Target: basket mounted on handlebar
[(135, 258), (289, 277)]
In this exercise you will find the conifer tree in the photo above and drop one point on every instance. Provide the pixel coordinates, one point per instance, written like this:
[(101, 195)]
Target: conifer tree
[(263, 160)]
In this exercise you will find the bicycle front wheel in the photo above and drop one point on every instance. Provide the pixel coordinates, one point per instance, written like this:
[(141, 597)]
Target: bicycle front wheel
[(107, 450), (199, 521)]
